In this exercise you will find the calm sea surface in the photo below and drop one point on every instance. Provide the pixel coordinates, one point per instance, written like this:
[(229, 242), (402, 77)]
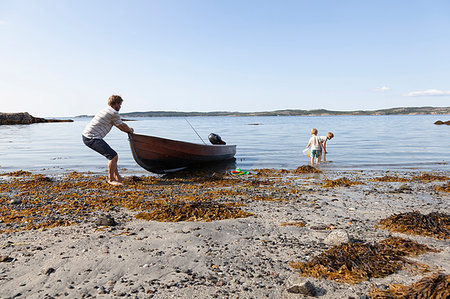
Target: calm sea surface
[(361, 142)]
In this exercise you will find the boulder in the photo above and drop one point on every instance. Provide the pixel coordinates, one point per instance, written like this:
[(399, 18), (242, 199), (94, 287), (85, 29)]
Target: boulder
[(24, 118)]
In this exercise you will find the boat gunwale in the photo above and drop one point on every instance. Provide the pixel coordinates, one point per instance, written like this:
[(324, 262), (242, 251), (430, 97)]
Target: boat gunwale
[(183, 142)]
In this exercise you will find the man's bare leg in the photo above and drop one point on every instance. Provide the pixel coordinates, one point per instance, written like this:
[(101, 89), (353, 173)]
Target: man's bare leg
[(113, 173), (117, 175)]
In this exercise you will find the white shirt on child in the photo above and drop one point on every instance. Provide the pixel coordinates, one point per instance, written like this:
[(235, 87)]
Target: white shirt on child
[(314, 141), (323, 139)]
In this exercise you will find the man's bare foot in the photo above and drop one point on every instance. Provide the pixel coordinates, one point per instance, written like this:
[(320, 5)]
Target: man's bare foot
[(115, 183)]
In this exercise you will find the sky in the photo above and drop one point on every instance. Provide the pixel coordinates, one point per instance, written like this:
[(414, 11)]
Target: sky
[(64, 58)]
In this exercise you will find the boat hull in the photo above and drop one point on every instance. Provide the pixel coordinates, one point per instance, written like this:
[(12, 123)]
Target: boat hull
[(161, 155)]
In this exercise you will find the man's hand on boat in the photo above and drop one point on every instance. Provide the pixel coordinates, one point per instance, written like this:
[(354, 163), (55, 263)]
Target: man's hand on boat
[(125, 128)]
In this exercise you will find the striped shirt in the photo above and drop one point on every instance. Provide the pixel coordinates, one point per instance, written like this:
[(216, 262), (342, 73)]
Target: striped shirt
[(102, 123)]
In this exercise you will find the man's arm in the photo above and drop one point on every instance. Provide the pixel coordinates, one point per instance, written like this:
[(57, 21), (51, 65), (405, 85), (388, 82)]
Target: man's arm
[(125, 128)]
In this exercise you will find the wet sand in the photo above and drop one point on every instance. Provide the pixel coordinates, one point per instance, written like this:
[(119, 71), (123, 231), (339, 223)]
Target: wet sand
[(232, 258)]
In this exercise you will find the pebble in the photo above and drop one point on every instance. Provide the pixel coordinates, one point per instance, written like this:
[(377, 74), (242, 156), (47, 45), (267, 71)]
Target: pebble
[(101, 290), (49, 271), (307, 289), (404, 189), (319, 227), (5, 259), (15, 201), (105, 220)]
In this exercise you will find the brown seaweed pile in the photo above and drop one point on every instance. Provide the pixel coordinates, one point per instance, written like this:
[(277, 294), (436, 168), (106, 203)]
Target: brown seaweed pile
[(435, 224), (196, 174), (357, 262), (266, 172), (342, 182), (306, 169), (192, 211), (18, 173), (407, 247), (426, 177), (436, 286), (388, 178), (444, 188)]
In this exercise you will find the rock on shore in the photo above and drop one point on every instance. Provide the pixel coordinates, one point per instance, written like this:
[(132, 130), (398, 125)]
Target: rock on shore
[(24, 118), (440, 122)]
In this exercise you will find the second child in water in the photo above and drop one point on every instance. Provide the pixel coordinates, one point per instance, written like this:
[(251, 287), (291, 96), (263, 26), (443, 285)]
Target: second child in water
[(316, 147)]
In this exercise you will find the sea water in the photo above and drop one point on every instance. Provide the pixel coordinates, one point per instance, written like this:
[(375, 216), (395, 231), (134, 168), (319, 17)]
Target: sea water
[(360, 142)]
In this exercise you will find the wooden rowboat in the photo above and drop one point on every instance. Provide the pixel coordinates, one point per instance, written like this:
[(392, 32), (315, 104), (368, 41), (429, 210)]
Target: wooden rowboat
[(160, 155)]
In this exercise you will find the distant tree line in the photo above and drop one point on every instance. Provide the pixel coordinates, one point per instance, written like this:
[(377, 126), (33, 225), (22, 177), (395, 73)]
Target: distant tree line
[(296, 112)]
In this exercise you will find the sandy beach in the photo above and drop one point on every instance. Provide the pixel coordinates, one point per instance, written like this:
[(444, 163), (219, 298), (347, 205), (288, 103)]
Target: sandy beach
[(74, 236)]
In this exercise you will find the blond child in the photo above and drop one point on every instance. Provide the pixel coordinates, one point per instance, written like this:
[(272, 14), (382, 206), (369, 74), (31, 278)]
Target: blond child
[(323, 140), (316, 147)]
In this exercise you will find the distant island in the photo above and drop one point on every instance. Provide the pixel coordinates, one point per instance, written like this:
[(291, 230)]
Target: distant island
[(296, 112)]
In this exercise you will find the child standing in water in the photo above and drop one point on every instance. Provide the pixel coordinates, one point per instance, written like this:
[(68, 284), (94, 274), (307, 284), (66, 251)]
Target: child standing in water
[(316, 147), (324, 140)]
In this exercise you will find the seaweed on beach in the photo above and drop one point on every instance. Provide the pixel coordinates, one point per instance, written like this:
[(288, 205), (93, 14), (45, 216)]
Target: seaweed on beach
[(388, 178), (436, 286), (192, 211), (407, 247), (40, 202), (19, 173), (444, 188), (342, 182), (434, 224), (306, 169), (49, 224), (426, 177), (283, 171), (234, 204), (196, 175), (357, 262), (41, 179), (265, 172), (257, 183)]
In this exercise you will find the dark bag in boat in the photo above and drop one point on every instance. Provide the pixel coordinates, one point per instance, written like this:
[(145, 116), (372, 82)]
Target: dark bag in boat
[(215, 139)]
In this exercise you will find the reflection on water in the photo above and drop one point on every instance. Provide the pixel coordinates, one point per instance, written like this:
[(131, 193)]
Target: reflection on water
[(361, 142)]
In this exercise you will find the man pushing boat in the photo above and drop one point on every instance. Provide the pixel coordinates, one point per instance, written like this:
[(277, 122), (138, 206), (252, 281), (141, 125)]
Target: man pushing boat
[(99, 127)]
